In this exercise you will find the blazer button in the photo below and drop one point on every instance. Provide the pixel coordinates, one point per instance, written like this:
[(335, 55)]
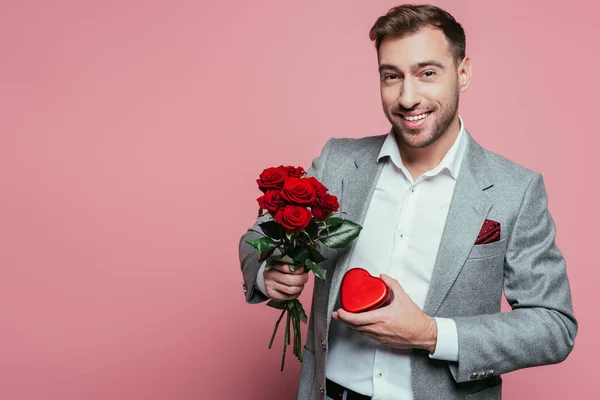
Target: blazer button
[(474, 375), (491, 372), (245, 288), (321, 389), (324, 345)]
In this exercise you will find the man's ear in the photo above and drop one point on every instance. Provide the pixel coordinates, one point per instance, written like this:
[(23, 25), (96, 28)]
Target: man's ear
[(464, 74)]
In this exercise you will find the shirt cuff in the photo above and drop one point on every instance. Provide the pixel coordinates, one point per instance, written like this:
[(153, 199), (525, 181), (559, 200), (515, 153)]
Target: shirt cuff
[(260, 279), (446, 347)]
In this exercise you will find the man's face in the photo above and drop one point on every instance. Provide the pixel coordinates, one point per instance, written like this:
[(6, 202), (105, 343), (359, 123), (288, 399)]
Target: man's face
[(420, 85)]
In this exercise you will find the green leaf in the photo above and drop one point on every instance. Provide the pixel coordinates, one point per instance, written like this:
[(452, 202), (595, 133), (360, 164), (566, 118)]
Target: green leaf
[(312, 229), (300, 310), (334, 221), (315, 255), (340, 236), (302, 240), (316, 269), (271, 262), (263, 244), (280, 305), (300, 254), (266, 255), (272, 229)]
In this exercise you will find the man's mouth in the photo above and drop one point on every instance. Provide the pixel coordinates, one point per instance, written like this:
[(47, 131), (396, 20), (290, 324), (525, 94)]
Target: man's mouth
[(417, 117)]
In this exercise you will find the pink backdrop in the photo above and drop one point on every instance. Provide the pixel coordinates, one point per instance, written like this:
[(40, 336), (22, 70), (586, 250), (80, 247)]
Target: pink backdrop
[(131, 135)]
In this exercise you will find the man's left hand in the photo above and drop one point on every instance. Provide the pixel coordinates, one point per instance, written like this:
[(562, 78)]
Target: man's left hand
[(401, 324)]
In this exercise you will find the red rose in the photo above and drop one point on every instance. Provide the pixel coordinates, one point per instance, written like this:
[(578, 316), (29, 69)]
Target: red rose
[(318, 186), (325, 206), (293, 218), (298, 191), (272, 178), (294, 172), (271, 200)]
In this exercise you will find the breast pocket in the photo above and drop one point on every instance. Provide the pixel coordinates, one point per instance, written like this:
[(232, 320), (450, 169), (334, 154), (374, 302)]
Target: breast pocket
[(488, 250)]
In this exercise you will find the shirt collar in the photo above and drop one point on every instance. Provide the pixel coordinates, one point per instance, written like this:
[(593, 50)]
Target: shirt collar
[(451, 161)]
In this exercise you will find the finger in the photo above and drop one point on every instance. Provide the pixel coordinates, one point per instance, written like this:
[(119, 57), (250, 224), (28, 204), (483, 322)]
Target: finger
[(286, 279), (394, 285), (285, 289), (370, 330), (285, 268), (278, 296), (358, 319), (374, 337)]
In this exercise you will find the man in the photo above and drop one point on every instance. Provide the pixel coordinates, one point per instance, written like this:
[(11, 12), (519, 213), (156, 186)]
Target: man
[(423, 193)]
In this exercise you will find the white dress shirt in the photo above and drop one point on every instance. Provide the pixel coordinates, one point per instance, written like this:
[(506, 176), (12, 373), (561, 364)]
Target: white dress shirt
[(401, 234)]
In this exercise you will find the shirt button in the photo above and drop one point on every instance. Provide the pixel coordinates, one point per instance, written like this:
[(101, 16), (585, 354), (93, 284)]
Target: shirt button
[(412, 191)]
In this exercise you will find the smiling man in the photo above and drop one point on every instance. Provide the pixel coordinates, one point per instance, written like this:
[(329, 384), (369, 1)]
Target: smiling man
[(447, 225)]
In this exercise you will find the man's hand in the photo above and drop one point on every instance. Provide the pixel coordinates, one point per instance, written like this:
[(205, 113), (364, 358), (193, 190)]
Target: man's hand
[(400, 324), (281, 283)]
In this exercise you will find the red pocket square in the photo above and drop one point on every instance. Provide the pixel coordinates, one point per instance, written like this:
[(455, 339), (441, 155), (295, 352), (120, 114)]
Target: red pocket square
[(490, 232)]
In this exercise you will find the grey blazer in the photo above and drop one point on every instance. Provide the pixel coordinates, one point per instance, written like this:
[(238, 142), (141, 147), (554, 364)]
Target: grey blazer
[(468, 280)]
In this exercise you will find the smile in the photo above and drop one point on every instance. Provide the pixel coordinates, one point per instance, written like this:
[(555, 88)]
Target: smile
[(415, 117)]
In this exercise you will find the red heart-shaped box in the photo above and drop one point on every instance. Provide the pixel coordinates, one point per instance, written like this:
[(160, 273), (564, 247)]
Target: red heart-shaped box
[(360, 291)]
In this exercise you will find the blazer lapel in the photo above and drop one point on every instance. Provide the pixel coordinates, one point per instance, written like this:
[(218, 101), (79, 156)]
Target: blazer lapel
[(358, 184), (468, 209)]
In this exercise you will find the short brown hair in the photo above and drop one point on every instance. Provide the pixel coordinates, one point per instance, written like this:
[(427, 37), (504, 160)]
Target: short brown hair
[(408, 19)]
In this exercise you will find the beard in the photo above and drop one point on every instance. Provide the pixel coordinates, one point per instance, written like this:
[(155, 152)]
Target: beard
[(440, 124)]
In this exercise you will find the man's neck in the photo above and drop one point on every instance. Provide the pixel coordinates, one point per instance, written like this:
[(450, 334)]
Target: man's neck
[(420, 160)]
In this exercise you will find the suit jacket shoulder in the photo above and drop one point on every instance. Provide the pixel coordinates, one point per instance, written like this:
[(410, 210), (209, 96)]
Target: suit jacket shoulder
[(352, 148), (511, 180), (502, 166)]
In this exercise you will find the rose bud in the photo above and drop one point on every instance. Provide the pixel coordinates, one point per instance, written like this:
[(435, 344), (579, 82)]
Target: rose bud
[(293, 218), (272, 178), (294, 172), (272, 200), (318, 186), (298, 191), (325, 206)]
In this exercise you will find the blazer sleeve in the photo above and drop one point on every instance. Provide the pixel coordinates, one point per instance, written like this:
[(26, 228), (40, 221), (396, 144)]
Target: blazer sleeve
[(541, 327), (248, 254)]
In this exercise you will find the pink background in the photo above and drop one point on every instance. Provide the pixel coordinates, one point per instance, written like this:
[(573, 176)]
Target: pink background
[(131, 135)]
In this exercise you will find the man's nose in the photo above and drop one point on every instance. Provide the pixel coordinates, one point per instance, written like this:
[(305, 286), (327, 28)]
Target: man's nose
[(409, 96)]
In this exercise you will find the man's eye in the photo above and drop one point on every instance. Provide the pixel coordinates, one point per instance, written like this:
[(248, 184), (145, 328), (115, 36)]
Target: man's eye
[(429, 74), (390, 76)]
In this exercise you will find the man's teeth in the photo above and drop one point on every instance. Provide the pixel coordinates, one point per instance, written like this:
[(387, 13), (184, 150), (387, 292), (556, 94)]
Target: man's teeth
[(415, 117)]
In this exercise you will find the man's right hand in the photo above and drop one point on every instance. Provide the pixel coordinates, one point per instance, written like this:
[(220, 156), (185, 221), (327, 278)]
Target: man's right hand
[(281, 283)]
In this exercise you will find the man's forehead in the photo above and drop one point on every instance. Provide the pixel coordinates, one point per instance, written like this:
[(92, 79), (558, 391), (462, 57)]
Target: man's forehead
[(426, 44)]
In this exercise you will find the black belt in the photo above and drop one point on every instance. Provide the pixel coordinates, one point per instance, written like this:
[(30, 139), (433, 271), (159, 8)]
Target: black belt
[(336, 392)]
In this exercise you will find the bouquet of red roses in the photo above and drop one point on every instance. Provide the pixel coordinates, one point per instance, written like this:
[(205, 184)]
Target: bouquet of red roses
[(301, 219)]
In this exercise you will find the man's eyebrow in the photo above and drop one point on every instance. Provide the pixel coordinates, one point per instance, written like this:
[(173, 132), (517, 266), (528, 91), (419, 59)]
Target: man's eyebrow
[(429, 63), (388, 67), (414, 67)]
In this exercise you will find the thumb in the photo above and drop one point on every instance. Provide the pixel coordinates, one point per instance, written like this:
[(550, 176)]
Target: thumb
[(394, 285)]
